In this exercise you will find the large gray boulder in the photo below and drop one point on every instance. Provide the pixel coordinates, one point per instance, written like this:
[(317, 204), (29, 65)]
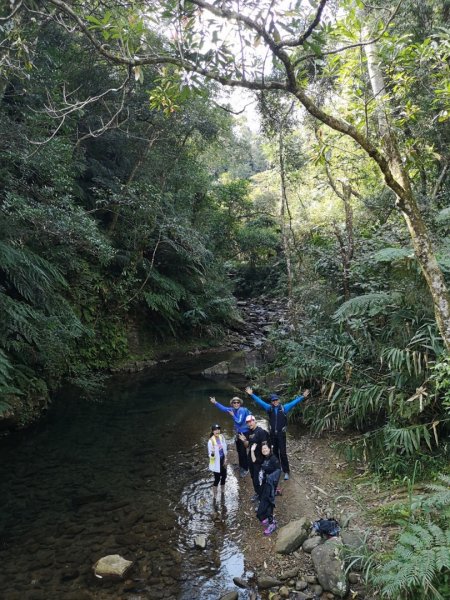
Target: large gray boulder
[(219, 370), (330, 568), (291, 536)]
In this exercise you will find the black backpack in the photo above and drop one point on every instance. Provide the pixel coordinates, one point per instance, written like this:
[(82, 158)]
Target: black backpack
[(326, 527)]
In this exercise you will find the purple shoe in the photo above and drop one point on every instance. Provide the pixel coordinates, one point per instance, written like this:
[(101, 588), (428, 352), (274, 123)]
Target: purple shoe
[(270, 529), (265, 522)]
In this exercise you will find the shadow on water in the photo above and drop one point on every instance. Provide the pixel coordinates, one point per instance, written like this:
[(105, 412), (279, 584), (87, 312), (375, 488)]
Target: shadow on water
[(126, 475)]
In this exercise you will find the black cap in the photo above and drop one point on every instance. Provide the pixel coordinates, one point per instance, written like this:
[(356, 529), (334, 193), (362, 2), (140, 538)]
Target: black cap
[(216, 426)]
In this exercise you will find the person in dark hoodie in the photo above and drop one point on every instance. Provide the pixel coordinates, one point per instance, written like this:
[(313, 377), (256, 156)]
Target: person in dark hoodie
[(277, 414), (269, 475), (255, 437)]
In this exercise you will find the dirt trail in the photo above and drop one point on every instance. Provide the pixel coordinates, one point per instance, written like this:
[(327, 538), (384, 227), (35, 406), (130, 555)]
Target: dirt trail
[(320, 486)]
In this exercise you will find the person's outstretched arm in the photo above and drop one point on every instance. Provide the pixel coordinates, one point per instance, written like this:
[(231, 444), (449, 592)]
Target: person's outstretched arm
[(221, 407), (289, 405), (257, 399)]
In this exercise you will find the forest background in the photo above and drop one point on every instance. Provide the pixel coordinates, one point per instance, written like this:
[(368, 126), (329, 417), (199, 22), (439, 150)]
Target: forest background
[(136, 207)]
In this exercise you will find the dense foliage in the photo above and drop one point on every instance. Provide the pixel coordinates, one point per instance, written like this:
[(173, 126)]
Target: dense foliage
[(113, 219), (131, 204)]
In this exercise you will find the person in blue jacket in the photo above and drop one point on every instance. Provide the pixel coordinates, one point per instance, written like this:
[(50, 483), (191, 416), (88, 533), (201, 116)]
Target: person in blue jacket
[(238, 414), (278, 423)]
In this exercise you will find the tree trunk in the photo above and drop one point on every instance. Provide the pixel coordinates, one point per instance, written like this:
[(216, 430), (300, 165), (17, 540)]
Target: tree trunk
[(407, 204), (283, 211)]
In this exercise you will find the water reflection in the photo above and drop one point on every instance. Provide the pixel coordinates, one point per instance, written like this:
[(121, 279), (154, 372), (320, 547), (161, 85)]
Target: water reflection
[(127, 475), (215, 516)]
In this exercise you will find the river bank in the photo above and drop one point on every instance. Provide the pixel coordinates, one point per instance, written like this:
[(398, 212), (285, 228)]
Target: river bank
[(321, 486)]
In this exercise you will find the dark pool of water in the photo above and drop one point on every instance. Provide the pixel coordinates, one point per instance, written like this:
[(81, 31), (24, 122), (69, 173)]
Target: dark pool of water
[(124, 475)]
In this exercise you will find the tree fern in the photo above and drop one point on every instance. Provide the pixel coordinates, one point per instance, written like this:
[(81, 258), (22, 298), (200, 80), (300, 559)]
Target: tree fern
[(420, 558)]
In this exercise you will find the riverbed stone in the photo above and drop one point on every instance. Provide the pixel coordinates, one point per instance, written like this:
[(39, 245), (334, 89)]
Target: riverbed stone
[(266, 582), (300, 585), (112, 566), (330, 567), (241, 583), (289, 574), (303, 596), (291, 536), (200, 541), (232, 595)]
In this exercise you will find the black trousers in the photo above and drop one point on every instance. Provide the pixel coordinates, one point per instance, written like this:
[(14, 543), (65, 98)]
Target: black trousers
[(254, 469), (222, 475), (279, 449), (242, 454), (266, 504)]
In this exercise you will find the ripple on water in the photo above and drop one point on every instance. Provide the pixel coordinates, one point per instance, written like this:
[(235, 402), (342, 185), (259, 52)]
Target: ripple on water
[(126, 476), (216, 517)]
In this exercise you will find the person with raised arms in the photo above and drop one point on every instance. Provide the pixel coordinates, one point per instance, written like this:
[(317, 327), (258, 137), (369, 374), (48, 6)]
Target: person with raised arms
[(277, 414), (238, 413)]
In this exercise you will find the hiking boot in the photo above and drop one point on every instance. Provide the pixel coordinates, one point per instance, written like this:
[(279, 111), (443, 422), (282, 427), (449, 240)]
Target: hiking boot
[(286, 476), (270, 529), (278, 492)]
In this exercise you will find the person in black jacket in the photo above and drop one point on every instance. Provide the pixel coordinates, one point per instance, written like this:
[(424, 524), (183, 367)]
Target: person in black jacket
[(277, 414), (269, 475), (256, 435)]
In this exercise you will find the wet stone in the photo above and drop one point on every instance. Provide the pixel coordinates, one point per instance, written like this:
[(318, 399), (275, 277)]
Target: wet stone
[(233, 595), (239, 582)]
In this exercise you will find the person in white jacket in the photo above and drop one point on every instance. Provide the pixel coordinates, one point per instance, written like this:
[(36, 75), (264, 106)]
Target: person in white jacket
[(217, 452)]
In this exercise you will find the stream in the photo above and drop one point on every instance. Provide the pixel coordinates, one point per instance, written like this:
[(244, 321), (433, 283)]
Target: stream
[(127, 475)]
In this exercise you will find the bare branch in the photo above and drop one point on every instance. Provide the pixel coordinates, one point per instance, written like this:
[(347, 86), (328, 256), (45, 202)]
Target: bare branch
[(11, 15), (440, 180), (302, 39)]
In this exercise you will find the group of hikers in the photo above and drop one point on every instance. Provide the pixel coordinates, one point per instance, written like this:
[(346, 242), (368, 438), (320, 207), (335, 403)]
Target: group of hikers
[(261, 453)]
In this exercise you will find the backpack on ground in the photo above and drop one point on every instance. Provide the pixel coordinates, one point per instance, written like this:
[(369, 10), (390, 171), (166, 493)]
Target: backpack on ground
[(326, 527)]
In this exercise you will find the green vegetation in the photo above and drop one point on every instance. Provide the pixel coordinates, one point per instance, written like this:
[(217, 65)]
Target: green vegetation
[(419, 564), (134, 208)]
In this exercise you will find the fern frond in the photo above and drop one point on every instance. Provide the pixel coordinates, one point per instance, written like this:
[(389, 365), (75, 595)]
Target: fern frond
[(419, 559), (390, 255), (368, 305)]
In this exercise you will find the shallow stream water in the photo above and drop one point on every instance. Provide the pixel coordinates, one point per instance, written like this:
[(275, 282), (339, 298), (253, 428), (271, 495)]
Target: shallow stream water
[(124, 475)]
